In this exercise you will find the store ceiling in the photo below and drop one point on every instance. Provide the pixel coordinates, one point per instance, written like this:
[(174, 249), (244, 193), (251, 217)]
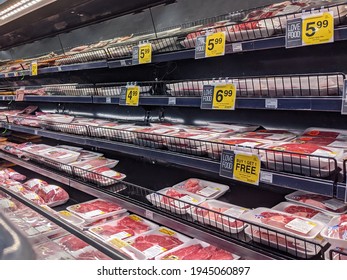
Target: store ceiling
[(65, 15)]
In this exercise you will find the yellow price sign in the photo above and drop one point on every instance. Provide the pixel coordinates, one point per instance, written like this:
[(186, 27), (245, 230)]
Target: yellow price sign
[(215, 44), (65, 213), (145, 53), (224, 97), (135, 218), (247, 168), (34, 68), (318, 29), (167, 231), (118, 243), (132, 96)]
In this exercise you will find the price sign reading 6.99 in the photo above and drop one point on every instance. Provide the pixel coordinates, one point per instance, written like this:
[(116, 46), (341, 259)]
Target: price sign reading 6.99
[(224, 96)]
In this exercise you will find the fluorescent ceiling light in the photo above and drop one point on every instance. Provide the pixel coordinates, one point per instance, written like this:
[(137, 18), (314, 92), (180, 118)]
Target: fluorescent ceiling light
[(20, 8)]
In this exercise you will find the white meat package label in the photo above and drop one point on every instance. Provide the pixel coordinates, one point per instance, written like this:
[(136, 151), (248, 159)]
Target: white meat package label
[(86, 166), (323, 153), (301, 225), (154, 251), (16, 188), (181, 202), (43, 228), (234, 212), (6, 203), (94, 213), (31, 196), (334, 204), (249, 144), (34, 183), (110, 173), (49, 188), (323, 218), (208, 191), (120, 235)]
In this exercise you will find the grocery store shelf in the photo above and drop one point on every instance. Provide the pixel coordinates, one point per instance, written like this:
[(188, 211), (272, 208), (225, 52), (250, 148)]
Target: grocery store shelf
[(140, 209), (275, 179), (103, 247), (251, 45), (60, 99)]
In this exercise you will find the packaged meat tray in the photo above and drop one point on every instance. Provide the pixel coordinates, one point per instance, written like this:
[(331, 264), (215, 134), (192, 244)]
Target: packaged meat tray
[(104, 176), (225, 128), (34, 184), (60, 155), (57, 118), (336, 232), (51, 251), (9, 205), (293, 246), (70, 218), (338, 134), (88, 225), (156, 242), (97, 209), (326, 204), (84, 155), (94, 163), (225, 220), (90, 253), (197, 250), (123, 228), (234, 143), (322, 141), (71, 148), (174, 200), (199, 150), (33, 197), (303, 211), (207, 189), (283, 222), (190, 138), (14, 175), (53, 195), (36, 149), (71, 243), (311, 155), (267, 135)]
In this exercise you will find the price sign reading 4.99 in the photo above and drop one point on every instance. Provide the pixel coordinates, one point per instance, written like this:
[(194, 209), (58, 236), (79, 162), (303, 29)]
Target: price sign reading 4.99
[(224, 96), (318, 29), (129, 96)]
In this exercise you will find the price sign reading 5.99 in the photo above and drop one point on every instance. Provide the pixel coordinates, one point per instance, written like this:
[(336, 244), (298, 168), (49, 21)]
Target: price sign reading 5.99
[(224, 97), (145, 53), (215, 44), (132, 96), (318, 29)]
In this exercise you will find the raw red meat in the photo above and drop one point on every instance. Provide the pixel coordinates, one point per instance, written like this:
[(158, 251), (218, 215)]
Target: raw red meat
[(324, 141), (316, 200), (301, 211), (53, 194), (182, 253), (201, 254), (218, 254), (72, 243), (32, 196), (143, 243), (34, 184), (192, 185), (92, 255), (14, 175), (322, 133), (108, 230), (174, 194), (300, 148), (137, 226), (102, 205), (105, 176)]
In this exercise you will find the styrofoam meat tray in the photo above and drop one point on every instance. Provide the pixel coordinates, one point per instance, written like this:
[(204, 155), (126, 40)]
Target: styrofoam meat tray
[(177, 205), (207, 189)]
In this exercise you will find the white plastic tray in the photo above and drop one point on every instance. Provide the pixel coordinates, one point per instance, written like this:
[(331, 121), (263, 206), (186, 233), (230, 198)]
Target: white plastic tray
[(68, 157), (313, 228), (71, 148), (95, 215), (320, 216), (86, 164), (170, 255), (335, 241), (71, 218), (159, 231), (227, 224), (210, 190), (295, 196), (176, 206), (121, 235), (104, 178)]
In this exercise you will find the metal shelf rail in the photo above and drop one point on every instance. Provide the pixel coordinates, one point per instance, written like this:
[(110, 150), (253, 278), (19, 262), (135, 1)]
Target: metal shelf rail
[(284, 169), (209, 221), (337, 255)]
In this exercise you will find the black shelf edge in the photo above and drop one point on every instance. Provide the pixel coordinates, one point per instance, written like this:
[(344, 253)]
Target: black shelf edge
[(289, 181)]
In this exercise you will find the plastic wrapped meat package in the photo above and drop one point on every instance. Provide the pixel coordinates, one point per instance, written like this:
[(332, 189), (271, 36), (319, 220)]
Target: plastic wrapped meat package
[(307, 159), (338, 134), (10, 205), (322, 141), (223, 128), (35, 150), (197, 250), (104, 176), (70, 218), (84, 155), (155, 242), (207, 189), (57, 118), (121, 132), (90, 253), (123, 228), (71, 243), (14, 175), (336, 233), (300, 235), (175, 200), (272, 135), (154, 136), (34, 184), (60, 155), (97, 209), (53, 195), (304, 211), (51, 251), (208, 213), (326, 204), (94, 163), (235, 143)]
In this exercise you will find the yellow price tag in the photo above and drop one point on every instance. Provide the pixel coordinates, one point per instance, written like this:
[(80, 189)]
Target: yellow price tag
[(247, 168), (145, 53), (318, 29), (34, 68), (65, 213), (118, 243), (215, 44), (132, 96), (224, 97), (167, 231), (135, 218)]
